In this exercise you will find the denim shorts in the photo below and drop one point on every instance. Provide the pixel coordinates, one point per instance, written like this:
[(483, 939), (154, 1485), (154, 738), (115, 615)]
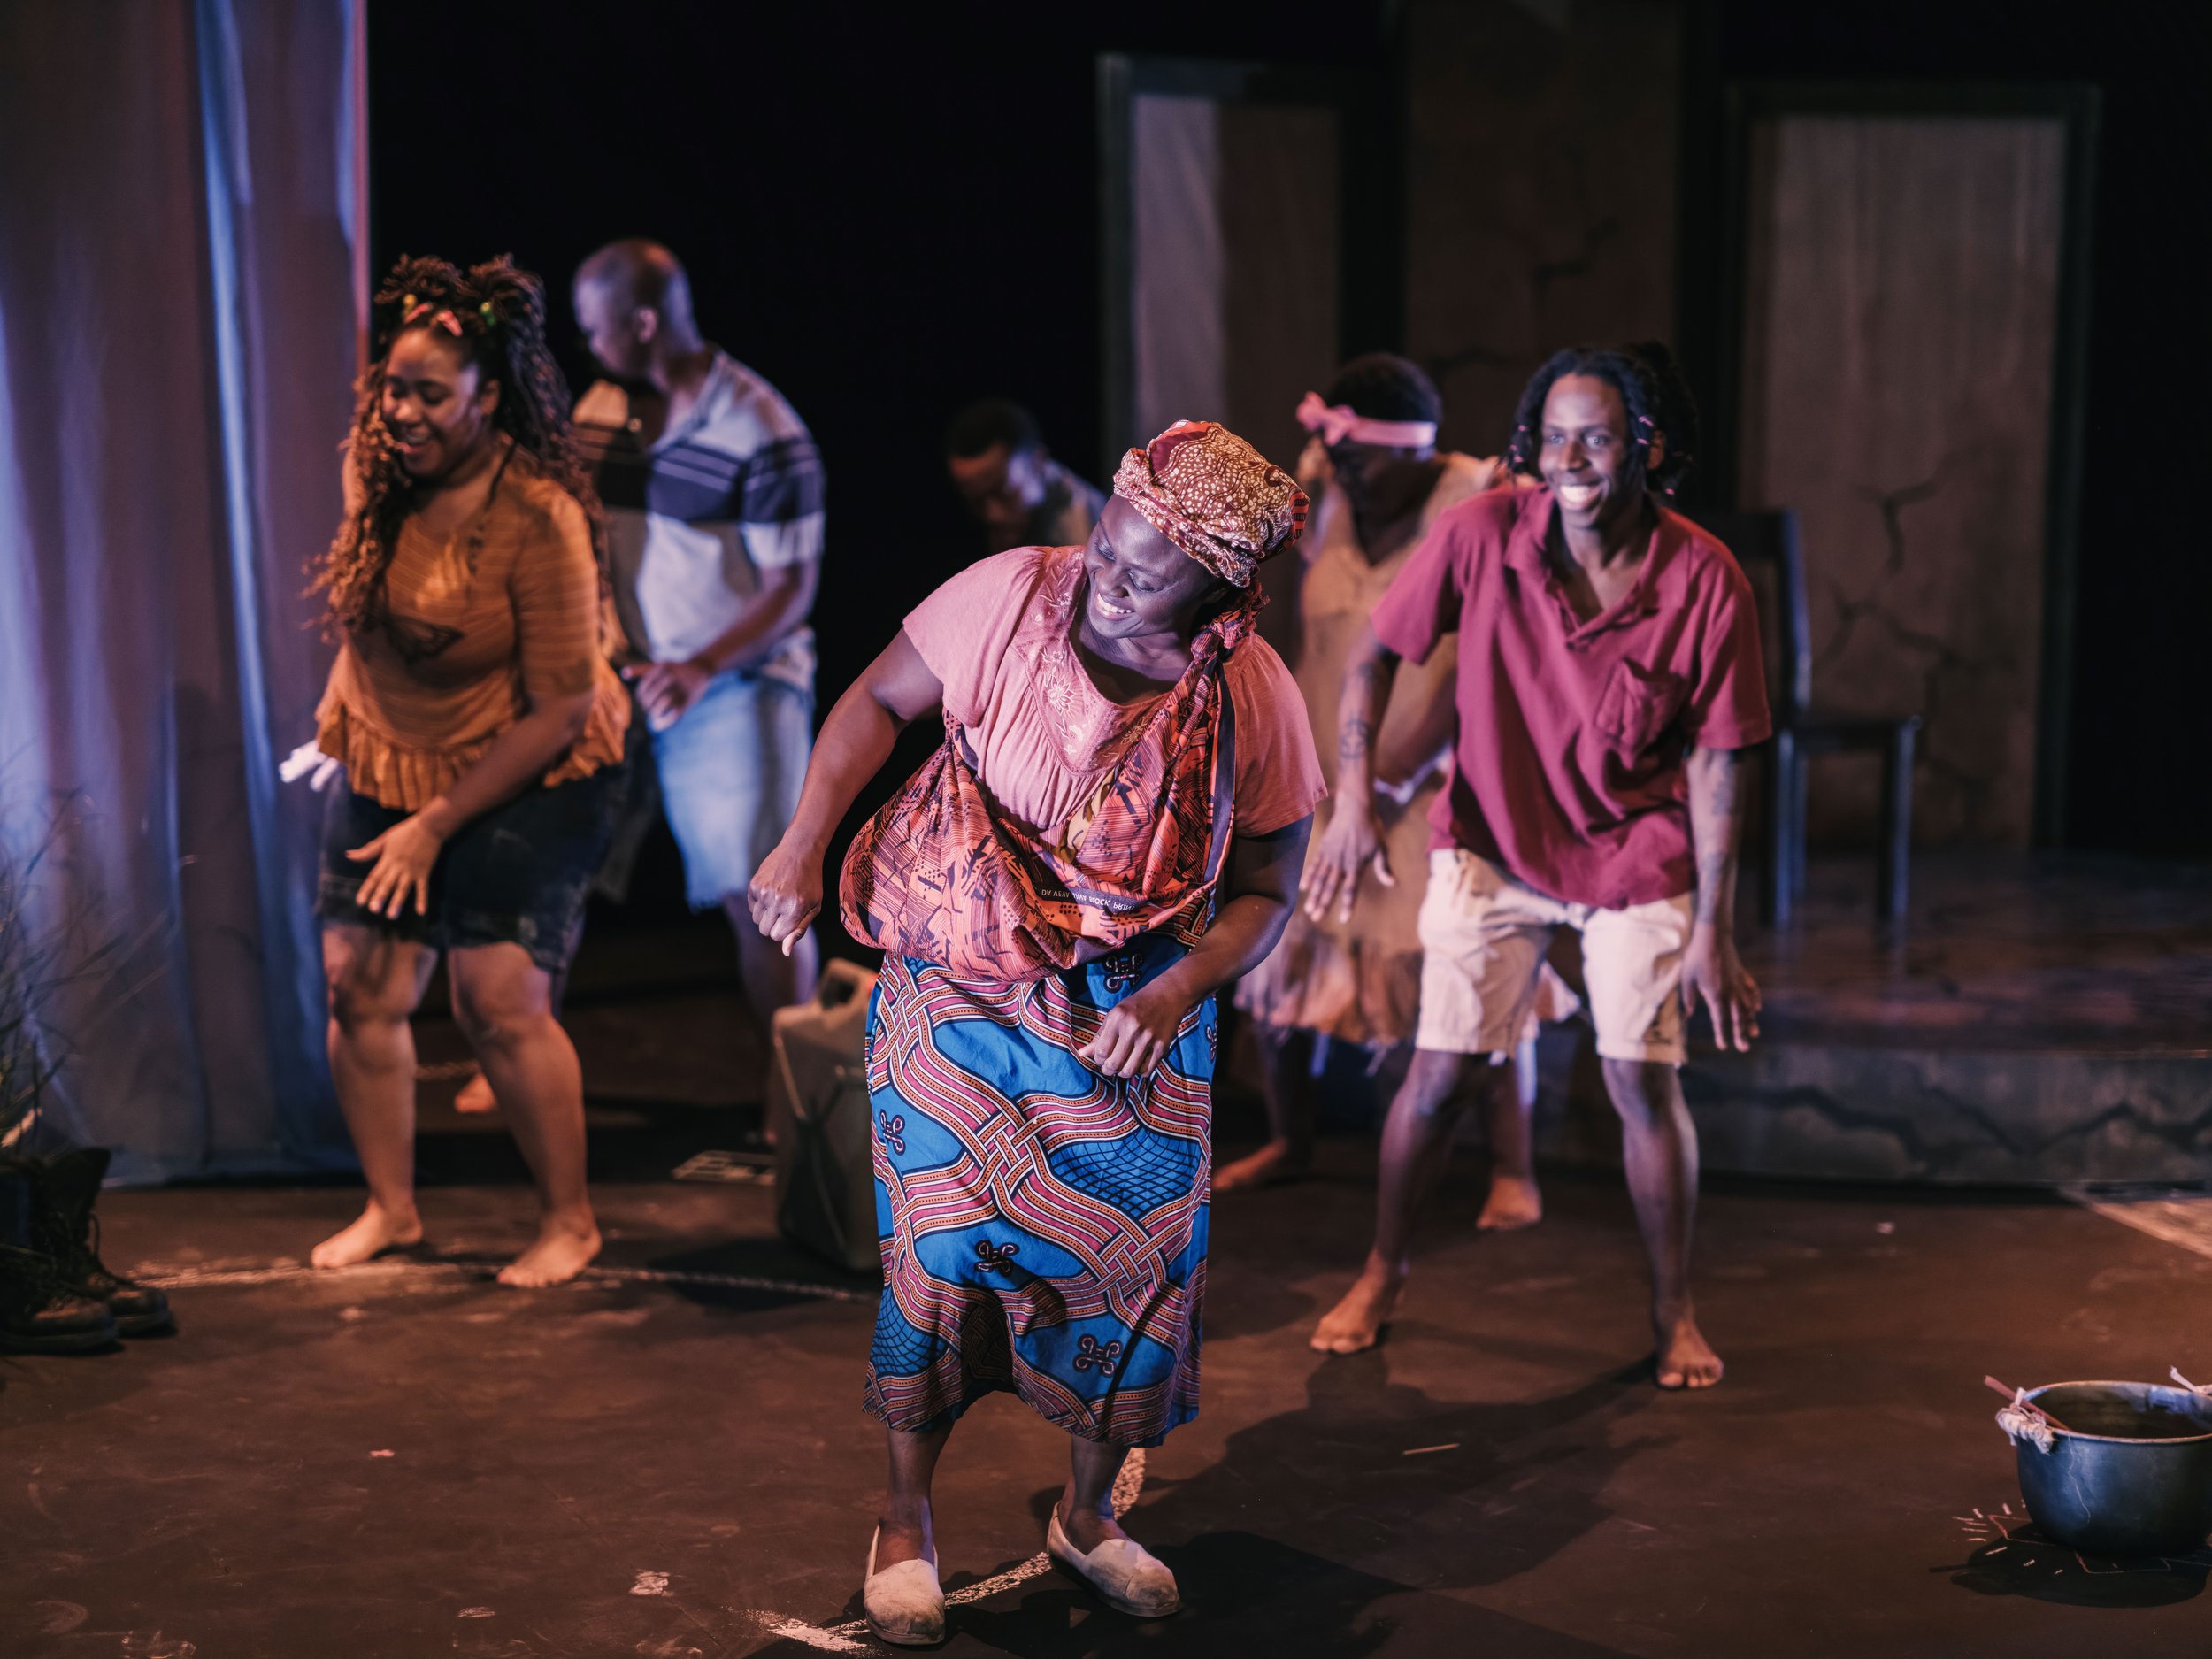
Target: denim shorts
[(518, 875), (729, 772)]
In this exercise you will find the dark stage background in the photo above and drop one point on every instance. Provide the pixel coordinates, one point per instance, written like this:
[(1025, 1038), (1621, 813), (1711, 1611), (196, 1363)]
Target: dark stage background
[(2141, 775), (888, 210)]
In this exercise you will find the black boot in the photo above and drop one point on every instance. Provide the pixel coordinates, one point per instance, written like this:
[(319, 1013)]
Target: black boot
[(15, 1203), (65, 1189), (41, 1315)]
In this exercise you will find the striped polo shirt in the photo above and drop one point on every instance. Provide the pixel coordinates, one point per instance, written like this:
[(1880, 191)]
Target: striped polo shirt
[(734, 489)]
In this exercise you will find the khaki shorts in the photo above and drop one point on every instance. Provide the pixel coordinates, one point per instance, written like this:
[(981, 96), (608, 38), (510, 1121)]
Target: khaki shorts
[(1483, 940)]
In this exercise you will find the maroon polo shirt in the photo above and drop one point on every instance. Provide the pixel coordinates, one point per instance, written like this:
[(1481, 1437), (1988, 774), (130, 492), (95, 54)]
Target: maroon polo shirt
[(1569, 767)]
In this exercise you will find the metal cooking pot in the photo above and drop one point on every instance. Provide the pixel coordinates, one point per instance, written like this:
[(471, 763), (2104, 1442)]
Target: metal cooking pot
[(2131, 1473)]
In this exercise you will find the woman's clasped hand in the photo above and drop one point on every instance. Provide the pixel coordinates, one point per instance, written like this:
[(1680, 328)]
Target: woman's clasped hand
[(1136, 1033)]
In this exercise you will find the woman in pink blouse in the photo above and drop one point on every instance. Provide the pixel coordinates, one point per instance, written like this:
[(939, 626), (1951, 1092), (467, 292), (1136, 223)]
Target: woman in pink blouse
[(1113, 830)]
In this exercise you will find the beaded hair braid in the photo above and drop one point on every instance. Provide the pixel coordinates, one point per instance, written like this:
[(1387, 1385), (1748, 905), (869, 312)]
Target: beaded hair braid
[(495, 313), (1652, 390)]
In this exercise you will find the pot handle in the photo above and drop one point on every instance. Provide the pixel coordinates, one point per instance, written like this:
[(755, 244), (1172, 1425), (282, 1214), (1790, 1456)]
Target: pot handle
[(2021, 1421)]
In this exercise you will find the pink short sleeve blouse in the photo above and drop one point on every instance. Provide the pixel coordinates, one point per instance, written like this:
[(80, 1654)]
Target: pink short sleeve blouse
[(997, 637)]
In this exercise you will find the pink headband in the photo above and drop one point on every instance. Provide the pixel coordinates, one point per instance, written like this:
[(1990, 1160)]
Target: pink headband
[(1336, 422)]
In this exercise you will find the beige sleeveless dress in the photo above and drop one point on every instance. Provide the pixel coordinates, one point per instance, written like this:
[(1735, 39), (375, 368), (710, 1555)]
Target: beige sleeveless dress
[(1360, 981)]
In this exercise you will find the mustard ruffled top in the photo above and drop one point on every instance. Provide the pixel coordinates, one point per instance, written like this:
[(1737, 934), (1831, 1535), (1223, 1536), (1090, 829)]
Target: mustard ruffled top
[(478, 627)]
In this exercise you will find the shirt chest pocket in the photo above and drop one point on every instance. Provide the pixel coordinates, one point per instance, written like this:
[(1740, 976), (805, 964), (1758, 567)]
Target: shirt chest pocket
[(1638, 706)]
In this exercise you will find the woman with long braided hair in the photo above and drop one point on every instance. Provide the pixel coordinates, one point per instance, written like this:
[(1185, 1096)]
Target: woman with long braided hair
[(481, 731)]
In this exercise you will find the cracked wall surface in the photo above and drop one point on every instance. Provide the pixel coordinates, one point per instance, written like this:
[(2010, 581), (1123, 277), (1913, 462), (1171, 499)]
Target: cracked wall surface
[(1902, 1115), (1845, 1112), (1899, 335), (1540, 191)]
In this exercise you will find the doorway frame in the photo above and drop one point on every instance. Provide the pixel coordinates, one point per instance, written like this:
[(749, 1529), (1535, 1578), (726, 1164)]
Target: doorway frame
[(1370, 274), (2076, 106)]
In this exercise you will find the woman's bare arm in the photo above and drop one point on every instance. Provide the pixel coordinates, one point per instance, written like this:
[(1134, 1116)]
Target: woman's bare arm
[(857, 738), (518, 757)]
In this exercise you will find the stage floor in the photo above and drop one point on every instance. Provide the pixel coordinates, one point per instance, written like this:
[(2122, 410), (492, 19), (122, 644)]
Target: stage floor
[(2006, 951), (2038, 1019), (670, 1459)]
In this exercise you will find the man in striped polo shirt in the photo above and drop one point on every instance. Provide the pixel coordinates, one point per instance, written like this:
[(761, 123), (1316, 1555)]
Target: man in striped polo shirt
[(714, 491)]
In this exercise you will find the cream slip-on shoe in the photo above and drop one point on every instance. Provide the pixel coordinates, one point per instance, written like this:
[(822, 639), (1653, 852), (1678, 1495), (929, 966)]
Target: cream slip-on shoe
[(904, 1604), (1128, 1577)]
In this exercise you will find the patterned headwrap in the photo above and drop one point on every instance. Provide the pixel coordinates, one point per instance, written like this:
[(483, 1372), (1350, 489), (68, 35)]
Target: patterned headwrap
[(1214, 497)]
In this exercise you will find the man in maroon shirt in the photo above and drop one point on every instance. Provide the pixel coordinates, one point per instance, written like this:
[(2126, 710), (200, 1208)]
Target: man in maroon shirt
[(1609, 677)]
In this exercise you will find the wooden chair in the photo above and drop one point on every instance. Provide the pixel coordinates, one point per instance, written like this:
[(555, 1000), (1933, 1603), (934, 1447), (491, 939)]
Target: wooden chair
[(1802, 731)]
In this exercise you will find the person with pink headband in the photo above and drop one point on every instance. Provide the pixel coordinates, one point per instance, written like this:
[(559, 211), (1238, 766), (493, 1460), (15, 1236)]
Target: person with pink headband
[(1112, 830), (1379, 483)]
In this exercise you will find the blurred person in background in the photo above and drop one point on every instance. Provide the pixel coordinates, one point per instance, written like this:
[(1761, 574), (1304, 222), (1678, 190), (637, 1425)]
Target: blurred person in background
[(1011, 485), (714, 491), (1379, 483)]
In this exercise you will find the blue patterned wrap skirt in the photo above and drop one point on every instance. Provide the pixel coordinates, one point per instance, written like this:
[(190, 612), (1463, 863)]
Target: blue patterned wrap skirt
[(1043, 1227)]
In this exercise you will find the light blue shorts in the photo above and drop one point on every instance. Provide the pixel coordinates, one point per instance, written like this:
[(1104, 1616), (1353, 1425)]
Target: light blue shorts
[(729, 773)]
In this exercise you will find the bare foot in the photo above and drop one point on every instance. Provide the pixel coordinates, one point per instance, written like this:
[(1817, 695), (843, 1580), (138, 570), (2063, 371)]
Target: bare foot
[(1277, 1161), (476, 1096), (375, 1232), (1685, 1360), (1357, 1323), (1514, 1203), (559, 1254)]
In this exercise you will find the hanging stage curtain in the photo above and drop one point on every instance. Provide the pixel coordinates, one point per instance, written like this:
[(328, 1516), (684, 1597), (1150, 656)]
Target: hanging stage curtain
[(179, 230)]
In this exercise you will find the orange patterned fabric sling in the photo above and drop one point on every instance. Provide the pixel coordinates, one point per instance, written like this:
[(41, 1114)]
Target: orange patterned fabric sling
[(942, 875)]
